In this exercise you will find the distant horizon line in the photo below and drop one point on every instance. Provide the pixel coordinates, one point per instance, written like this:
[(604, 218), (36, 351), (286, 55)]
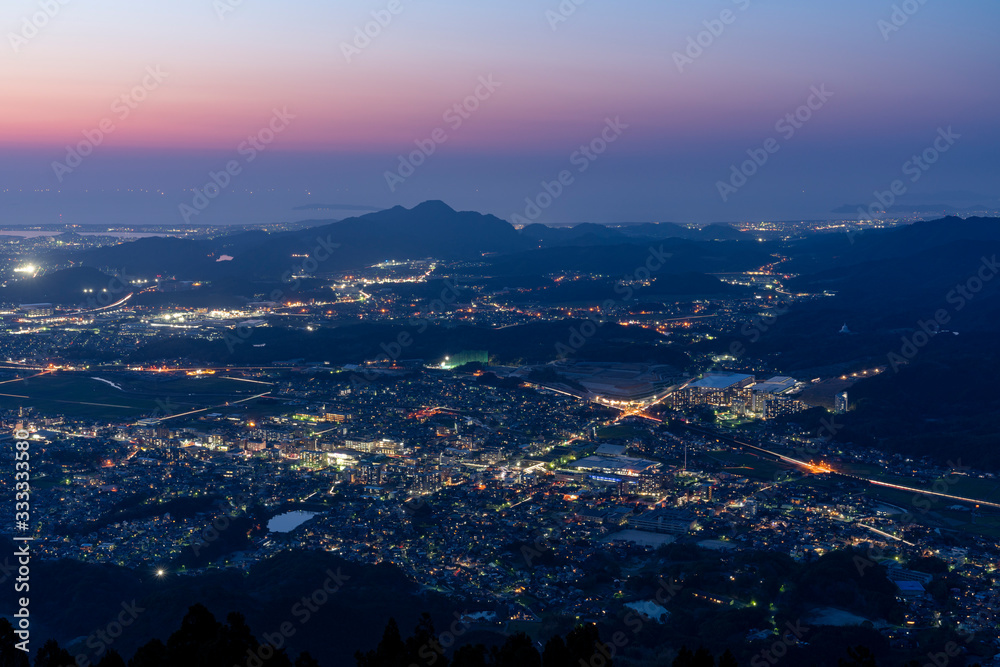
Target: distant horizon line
[(896, 215)]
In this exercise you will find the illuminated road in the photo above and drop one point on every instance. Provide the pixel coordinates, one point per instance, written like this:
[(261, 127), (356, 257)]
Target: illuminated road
[(56, 400), (640, 412), (823, 468), (160, 420), (885, 534), (924, 492), (808, 466), (636, 411), (26, 378), (246, 380), (110, 305)]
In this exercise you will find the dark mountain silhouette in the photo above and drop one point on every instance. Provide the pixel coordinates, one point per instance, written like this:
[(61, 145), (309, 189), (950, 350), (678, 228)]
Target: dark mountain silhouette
[(598, 291), (922, 301), (593, 234), (941, 403), (583, 234), (674, 255), (59, 287), (360, 599), (160, 255), (240, 265), (432, 229), (896, 292), (882, 302), (528, 343), (827, 251)]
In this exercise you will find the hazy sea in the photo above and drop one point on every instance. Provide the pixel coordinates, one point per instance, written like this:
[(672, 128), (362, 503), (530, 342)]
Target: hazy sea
[(137, 208)]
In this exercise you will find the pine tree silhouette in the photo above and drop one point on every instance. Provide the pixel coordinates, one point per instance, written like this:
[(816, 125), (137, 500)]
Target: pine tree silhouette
[(423, 645), (198, 642), (50, 655), (390, 652), (728, 660), (238, 642), (584, 642), (152, 654), (306, 660), (556, 654), (703, 658), (685, 658), (859, 656), (111, 659), (470, 656), (517, 651), (10, 655)]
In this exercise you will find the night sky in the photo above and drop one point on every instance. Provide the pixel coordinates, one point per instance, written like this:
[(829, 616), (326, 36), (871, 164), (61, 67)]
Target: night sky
[(533, 84)]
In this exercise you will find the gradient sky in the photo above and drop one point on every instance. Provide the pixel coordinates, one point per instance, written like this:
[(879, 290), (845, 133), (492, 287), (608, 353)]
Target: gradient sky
[(608, 59)]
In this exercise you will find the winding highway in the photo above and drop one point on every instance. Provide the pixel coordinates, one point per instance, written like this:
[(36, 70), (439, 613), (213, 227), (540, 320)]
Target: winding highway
[(823, 468)]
